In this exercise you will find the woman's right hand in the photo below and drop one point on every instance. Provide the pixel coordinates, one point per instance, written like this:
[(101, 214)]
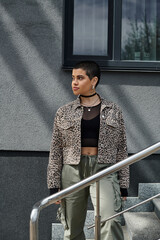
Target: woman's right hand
[(58, 202)]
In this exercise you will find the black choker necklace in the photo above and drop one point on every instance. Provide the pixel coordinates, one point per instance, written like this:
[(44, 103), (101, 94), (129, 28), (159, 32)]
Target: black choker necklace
[(89, 95)]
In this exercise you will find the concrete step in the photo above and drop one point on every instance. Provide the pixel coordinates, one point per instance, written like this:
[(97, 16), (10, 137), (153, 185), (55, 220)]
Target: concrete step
[(131, 201), (147, 190), (142, 225), (156, 203), (57, 231)]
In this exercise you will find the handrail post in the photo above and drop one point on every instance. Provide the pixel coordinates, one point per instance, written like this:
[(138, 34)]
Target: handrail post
[(34, 230), (34, 222), (97, 217)]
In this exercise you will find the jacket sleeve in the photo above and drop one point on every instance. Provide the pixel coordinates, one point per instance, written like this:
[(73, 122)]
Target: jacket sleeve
[(122, 154), (55, 157)]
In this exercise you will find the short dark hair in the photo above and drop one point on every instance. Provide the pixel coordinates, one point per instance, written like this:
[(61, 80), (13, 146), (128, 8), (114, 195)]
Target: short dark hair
[(92, 69)]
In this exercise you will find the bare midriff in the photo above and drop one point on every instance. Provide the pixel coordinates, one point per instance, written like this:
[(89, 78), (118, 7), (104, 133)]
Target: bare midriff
[(89, 150)]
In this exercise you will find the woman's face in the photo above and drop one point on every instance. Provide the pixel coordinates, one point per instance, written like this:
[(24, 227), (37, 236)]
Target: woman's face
[(81, 83)]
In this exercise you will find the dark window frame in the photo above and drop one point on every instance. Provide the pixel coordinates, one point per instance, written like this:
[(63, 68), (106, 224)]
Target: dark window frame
[(113, 62)]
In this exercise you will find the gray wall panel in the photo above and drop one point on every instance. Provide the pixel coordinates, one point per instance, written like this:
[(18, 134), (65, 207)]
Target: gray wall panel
[(23, 183)]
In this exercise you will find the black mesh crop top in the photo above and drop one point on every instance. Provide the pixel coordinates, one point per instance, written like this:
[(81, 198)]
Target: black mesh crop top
[(90, 126)]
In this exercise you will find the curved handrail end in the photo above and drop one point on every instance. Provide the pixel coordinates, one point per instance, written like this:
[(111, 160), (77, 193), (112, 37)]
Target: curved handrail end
[(35, 212)]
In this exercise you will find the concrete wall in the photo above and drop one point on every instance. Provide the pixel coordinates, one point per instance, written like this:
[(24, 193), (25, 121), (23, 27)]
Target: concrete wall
[(33, 85)]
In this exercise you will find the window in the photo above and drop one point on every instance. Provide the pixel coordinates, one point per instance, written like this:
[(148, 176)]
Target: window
[(140, 30), (118, 34), (90, 28)]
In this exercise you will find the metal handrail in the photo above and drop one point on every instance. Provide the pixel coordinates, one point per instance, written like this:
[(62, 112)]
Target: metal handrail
[(84, 183), (128, 209)]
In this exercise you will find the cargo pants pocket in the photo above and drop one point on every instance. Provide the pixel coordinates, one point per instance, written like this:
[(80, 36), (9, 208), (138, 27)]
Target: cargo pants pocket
[(61, 214)]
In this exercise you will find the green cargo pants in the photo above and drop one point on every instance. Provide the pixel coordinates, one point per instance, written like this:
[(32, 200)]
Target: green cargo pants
[(74, 206)]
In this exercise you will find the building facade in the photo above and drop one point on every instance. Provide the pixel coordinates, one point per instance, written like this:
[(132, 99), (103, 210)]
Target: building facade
[(35, 79)]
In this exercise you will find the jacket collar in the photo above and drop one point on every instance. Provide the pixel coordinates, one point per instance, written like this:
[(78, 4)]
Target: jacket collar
[(105, 103)]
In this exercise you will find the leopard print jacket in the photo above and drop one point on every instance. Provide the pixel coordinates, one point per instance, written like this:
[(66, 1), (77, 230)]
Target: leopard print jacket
[(66, 140)]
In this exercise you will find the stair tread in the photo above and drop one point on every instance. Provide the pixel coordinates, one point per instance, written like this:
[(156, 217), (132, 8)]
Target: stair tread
[(147, 190), (143, 225), (156, 202), (131, 201)]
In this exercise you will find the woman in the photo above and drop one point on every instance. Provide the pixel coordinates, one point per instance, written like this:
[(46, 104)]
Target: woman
[(88, 136)]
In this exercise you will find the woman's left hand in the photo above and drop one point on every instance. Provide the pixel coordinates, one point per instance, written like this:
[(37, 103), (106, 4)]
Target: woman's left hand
[(124, 198)]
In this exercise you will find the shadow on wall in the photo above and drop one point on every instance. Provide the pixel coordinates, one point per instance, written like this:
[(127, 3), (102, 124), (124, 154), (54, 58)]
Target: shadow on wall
[(136, 121), (30, 48)]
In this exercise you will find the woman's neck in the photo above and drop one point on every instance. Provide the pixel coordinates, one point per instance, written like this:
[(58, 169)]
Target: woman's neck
[(90, 101), (88, 96)]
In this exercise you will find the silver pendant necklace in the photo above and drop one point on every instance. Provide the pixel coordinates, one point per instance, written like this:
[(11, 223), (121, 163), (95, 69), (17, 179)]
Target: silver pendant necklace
[(89, 108)]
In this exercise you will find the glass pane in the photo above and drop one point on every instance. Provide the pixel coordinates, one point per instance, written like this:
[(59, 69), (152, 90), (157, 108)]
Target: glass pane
[(90, 30), (140, 30)]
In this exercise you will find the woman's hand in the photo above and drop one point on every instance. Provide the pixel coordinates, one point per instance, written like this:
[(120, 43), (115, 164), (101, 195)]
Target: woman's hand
[(124, 198), (58, 202), (124, 193)]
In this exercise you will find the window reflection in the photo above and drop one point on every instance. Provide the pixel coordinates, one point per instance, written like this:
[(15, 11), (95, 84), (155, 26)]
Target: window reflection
[(90, 30), (140, 30)]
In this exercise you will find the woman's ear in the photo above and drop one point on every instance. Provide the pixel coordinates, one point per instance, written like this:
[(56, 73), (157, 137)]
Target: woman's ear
[(94, 80)]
